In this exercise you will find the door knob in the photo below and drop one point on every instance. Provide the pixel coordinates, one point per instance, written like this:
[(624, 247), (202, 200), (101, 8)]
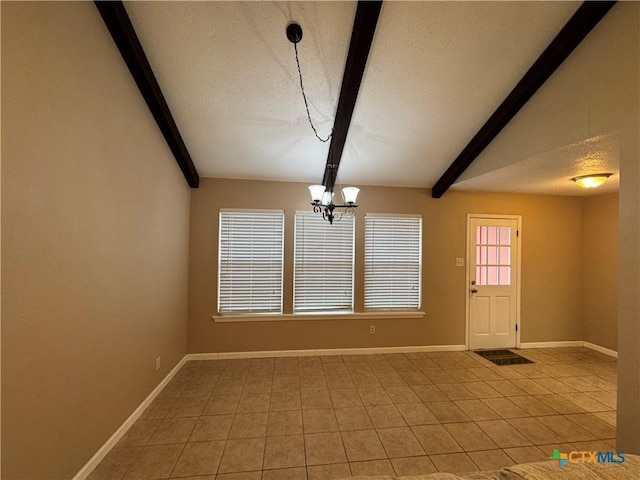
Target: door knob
[(474, 290)]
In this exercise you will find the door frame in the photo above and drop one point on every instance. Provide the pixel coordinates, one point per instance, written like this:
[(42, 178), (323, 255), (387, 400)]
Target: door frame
[(518, 219)]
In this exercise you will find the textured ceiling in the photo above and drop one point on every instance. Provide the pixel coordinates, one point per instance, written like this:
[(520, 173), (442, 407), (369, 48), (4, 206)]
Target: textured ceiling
[(229, 76), (436, 72), (551, 172)]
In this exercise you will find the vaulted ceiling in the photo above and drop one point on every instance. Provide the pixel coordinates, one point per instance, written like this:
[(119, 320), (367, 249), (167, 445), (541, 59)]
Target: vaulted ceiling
[(436, 72)]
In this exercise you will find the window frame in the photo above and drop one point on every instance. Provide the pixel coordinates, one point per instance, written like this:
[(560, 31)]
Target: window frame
[(249, 312), (383, 308), (323, 311)]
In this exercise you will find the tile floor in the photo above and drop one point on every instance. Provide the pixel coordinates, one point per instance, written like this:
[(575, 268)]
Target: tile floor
[(330, 417)]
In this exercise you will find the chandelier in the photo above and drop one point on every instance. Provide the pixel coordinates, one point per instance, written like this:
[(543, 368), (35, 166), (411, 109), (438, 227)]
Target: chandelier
[(321, 198), (322, 202)]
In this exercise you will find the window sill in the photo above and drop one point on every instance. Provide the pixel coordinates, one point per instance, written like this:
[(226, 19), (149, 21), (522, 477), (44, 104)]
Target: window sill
[(294, 317)]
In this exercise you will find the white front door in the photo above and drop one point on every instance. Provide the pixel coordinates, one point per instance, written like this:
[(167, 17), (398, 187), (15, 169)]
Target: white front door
[(493, 264)]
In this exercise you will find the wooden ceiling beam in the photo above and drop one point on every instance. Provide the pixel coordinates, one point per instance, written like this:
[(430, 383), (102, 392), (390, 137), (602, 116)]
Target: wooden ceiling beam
[(577, 28), (119, 25), (364, 27)]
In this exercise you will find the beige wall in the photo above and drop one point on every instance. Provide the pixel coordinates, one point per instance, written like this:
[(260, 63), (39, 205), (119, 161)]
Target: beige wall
[(551, 268), (596, 92), (94, 241), (600, 270), (628, 54), (94, 236)]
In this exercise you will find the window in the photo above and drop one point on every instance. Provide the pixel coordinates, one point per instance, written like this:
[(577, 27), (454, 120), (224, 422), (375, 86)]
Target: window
[(392, 261), (323, 264), (250, 262)]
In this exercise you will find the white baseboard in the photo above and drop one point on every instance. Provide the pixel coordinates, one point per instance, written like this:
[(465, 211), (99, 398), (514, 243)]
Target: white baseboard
[(324, 351), (598, 348), (113, 440), (567, 343), (109, 444), (573, 343)]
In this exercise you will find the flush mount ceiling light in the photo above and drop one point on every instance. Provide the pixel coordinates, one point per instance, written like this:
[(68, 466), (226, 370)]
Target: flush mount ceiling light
[(591, 181)]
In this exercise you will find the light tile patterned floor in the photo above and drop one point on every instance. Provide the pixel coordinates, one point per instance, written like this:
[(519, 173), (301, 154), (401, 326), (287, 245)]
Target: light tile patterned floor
[(329, 417)]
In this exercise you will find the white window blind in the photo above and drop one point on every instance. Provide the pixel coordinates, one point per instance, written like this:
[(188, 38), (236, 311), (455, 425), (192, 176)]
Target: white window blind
[(250, 262), (323, 264), (392, 262)]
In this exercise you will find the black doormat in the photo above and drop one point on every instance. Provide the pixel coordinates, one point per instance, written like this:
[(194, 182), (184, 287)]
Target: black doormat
[(503, 357)]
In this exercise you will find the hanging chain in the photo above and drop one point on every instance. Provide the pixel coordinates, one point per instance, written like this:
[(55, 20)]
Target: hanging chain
[(306, 105)]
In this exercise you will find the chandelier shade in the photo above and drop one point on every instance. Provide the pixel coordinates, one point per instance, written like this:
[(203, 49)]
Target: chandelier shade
[(350, 194), (317, 192)]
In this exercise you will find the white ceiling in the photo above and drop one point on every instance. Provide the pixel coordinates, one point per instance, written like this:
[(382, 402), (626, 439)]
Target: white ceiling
[(551, 172), (436, 72)]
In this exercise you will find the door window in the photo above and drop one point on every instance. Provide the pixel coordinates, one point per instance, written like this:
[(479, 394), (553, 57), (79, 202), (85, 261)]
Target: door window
[(493, 255)]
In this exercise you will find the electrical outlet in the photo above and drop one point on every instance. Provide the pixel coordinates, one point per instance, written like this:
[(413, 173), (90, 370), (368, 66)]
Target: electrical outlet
[(158, 363), (459, 262), (372, 329)]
